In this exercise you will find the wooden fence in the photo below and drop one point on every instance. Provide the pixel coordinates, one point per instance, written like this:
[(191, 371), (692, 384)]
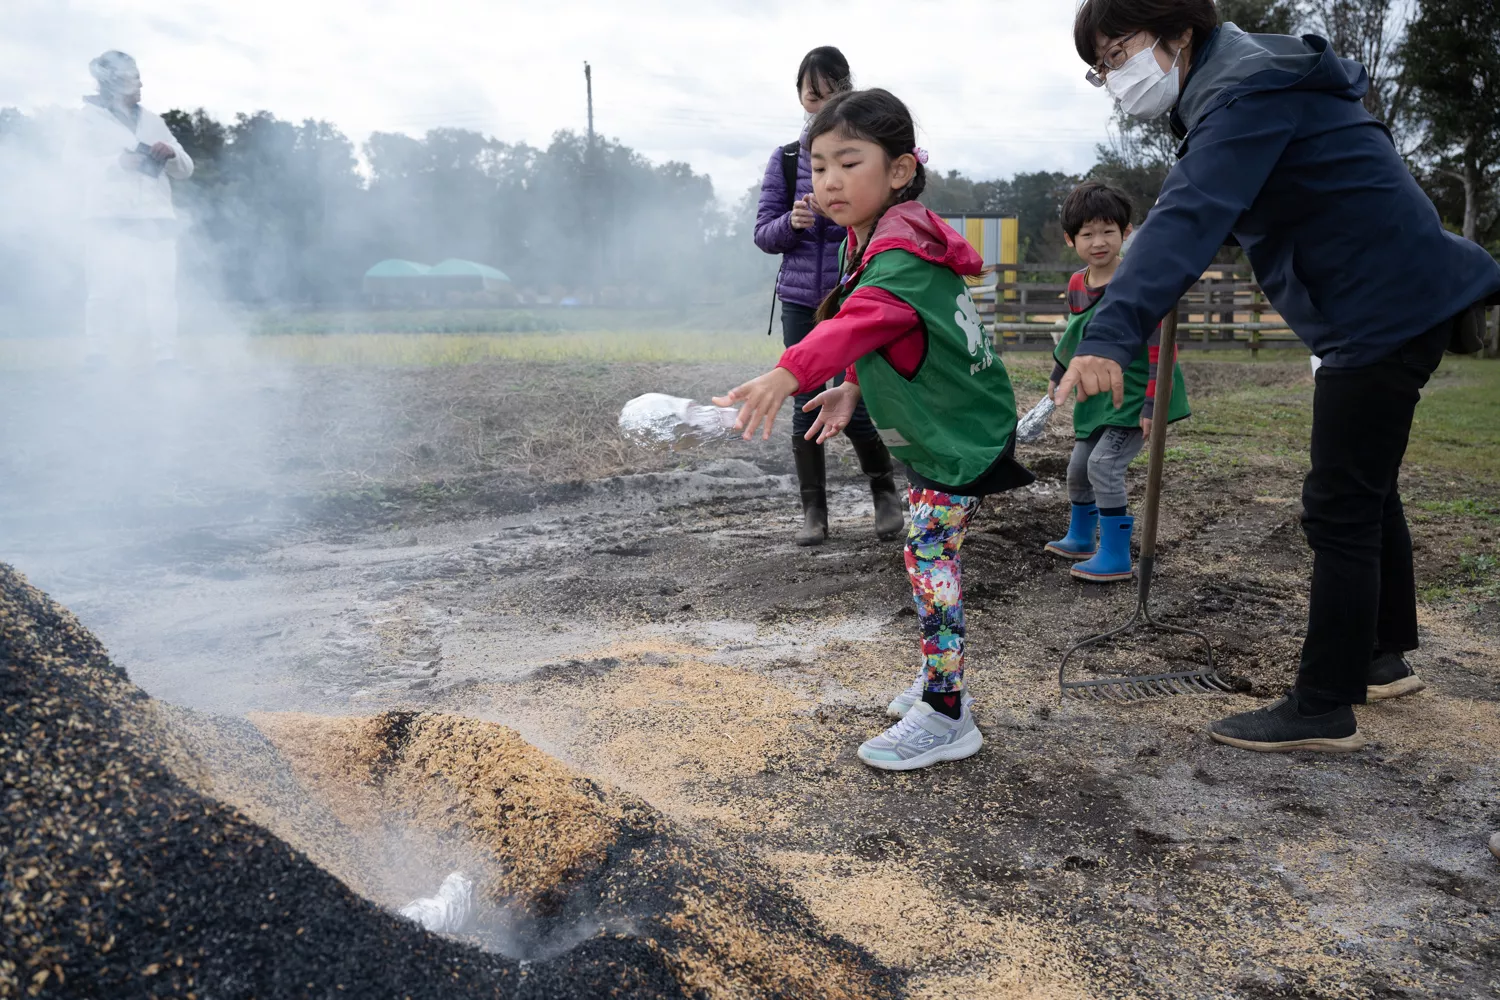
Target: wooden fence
[(1027, 309), (1224, 310)]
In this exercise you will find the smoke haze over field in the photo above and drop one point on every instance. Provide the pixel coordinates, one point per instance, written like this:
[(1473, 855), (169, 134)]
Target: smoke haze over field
[(996, 86)]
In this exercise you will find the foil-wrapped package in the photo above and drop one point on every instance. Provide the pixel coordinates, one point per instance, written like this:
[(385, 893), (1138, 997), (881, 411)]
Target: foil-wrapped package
[(450, 911), (1029, 428), (657, 418)]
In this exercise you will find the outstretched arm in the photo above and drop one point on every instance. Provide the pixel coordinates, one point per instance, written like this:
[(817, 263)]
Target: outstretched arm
[(869, 319), (1229, 157)]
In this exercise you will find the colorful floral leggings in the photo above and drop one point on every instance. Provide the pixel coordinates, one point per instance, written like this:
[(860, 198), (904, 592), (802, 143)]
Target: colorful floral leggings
[(938, 524)]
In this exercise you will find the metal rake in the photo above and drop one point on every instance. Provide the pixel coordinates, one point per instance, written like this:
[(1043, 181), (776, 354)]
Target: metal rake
[(1141, 686)]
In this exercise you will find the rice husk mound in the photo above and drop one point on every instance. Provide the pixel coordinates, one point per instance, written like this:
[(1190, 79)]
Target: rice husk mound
[(142, 855)]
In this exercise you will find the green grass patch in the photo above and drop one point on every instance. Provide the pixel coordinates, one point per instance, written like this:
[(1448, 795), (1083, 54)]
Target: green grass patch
[(463, 349), (426, 349), (1456, 431), (1477, 579), (1457, 426), (1483, 510), (1252, 422), (406, 321)]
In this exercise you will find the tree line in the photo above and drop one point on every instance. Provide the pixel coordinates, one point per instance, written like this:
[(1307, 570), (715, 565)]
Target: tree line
[(1434, 69), (285, 213)]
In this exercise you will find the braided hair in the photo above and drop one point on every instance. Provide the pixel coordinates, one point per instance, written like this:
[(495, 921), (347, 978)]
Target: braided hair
[(880, 117)]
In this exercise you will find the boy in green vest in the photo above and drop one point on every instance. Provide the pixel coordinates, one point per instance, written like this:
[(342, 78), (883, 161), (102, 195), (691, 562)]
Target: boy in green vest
[(902, 326), (1096, 222)]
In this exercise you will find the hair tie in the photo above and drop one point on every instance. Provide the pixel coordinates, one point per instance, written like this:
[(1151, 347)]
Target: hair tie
[(920, 154)]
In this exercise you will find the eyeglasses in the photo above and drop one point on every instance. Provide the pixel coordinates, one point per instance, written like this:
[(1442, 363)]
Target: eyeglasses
[(1114, 57)]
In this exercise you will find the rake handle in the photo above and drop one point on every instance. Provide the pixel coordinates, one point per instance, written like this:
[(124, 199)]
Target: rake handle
[(1166, 368)]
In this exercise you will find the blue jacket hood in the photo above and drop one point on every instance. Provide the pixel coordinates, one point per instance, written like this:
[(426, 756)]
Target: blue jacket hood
[(1233, 63), (1280, 155)]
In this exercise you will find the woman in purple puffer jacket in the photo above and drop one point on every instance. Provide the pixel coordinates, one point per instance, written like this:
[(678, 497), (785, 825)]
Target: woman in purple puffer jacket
[(788, 223)]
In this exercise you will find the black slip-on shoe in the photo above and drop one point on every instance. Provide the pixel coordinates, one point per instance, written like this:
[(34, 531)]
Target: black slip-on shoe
[(1280, 727), (1390, 677)]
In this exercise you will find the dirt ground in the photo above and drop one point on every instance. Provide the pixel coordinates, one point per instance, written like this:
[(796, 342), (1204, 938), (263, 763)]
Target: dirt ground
[(478, 541)]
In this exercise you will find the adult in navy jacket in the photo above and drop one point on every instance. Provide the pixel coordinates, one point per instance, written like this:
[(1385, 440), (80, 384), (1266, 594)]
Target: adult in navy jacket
[(1278, 154), (788, 222)]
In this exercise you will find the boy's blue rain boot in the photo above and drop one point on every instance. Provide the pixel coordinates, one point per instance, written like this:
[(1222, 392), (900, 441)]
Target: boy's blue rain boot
[(1082, 539), (1113, 561)]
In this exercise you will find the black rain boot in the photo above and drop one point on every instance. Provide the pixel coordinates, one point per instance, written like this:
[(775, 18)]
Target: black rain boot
[(812, 478), (875, 460)]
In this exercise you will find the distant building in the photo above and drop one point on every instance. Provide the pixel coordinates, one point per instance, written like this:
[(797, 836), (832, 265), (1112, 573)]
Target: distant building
[(405, 282)]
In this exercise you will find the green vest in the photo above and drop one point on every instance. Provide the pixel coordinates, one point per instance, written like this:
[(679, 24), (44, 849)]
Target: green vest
[(954, 418), (1099, 411)]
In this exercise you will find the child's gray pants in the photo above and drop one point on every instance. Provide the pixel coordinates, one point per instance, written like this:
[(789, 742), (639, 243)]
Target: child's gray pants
[(1096, 472)]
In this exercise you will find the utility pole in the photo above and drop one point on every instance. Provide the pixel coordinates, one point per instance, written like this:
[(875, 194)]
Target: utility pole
[(591, 174), (588, 79)]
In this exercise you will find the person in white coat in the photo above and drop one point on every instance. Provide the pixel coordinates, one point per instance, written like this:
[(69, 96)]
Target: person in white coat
[(128, 158)]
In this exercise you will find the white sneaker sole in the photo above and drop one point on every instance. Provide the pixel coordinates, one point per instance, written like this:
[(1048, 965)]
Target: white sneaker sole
[(966, 747), (1395, 689), (1344, 744)]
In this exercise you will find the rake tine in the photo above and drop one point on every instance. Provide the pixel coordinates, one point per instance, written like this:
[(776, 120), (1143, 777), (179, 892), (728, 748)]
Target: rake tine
[(1135, 688)]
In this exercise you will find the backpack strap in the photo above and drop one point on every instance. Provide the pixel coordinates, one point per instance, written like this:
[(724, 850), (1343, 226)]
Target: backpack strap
[(790, 153), (789, 156)]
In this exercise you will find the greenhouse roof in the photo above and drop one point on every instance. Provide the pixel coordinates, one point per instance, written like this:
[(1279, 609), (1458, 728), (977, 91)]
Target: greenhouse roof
[(398, 269), (454, 266)]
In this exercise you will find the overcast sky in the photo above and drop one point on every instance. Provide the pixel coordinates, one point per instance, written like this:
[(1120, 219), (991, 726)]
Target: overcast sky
[(994, 84)]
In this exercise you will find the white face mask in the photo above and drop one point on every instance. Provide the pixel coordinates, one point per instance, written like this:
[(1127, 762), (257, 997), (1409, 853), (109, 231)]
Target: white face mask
[(1142, 87)]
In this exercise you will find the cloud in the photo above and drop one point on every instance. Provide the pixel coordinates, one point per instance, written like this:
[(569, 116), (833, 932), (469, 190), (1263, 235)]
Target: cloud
[(996, 86)]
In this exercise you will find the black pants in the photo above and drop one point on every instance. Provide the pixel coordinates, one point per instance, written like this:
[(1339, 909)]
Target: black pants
[(1364, 595), (796, 323)]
